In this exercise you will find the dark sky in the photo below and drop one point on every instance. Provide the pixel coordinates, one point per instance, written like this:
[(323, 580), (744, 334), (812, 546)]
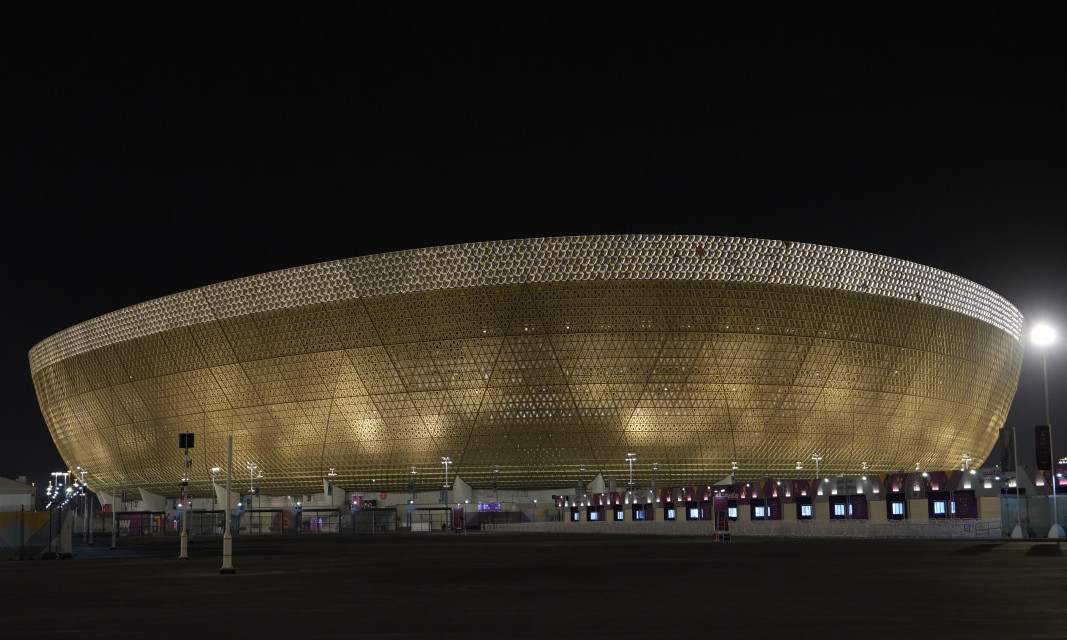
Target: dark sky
[(144, 158)]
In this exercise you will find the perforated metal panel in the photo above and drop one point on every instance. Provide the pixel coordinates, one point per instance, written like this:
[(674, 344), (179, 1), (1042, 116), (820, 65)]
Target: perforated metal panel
[(529, 360)]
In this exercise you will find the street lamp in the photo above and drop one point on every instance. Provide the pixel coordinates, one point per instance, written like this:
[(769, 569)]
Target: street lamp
[(1044, 335), (818, 480), (580, 494), (631, 458), (445, 460), (56, 474), (114, 521), (87, 506), (251, 466)]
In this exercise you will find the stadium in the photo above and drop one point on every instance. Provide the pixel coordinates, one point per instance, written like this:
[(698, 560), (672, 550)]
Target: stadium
[(537, 365)]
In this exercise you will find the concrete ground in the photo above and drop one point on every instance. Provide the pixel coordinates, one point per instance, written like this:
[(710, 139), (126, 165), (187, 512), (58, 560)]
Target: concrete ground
[(515, 585)]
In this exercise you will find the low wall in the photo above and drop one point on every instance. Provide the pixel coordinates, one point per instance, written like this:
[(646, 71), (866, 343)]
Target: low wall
[(977, 529)]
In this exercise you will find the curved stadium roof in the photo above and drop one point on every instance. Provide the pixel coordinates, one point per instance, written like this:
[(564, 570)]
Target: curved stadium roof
[(528, 360)]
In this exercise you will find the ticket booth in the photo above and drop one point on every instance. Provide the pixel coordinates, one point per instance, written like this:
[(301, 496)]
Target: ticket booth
[(896, 505), (693, 510), (642, 512)]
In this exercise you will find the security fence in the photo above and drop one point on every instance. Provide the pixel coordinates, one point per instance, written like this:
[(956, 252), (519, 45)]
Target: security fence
[(35, 534), (243, 522)]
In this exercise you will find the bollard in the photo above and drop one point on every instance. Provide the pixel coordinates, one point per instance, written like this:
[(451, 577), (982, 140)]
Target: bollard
[(227, 553)]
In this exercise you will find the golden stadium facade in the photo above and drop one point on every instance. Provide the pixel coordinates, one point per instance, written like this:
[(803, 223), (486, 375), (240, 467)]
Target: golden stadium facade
[(532, 362)]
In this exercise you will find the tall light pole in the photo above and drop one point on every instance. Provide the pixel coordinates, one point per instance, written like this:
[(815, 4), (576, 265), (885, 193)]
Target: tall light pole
[(818, 479), (652, 489), (227, 538), (84, 501), (251, 466), (631, 458), (114, 521), (185, 441), (1044, 335), (214, 498)]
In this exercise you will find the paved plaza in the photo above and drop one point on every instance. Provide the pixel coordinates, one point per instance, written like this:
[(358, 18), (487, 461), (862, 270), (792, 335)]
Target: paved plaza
[(517, 585)]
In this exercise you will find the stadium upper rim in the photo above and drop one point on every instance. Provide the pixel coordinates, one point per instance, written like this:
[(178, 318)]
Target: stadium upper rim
[(539, 260)]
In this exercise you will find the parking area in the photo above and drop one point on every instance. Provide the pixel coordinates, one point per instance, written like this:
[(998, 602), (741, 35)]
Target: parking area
[(518, 585)]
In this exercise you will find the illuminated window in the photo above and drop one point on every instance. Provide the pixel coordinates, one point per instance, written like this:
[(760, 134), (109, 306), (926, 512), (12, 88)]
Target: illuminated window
[(670, 513), (694, 513), (839, 510), (898, 508), (593, 515), (759, 512), (939, 507), (731, 513), (805, 510), (619, 514)]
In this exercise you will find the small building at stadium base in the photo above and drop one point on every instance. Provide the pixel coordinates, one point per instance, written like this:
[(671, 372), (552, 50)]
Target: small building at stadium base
[(959, 503)]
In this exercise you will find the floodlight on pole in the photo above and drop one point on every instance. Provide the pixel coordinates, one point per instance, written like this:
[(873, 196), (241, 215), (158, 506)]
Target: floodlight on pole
[(1043, 336)]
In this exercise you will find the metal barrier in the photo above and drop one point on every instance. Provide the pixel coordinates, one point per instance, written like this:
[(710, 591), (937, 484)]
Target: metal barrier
[(374, 520)]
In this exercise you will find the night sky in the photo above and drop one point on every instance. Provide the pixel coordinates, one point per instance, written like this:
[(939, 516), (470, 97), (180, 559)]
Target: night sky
[(144, 158)]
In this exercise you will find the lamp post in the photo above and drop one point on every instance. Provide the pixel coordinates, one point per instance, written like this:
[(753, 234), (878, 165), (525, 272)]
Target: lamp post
[(48, 493), (84, 501), (251, 466), (631, 458), (1044, 335), (411, 485), (652, 489), (227, 537), (185, 442), (818, 478), (114, 509)]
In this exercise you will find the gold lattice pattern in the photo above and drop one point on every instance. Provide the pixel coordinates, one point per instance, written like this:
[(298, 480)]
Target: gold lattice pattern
[(533, 362)]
